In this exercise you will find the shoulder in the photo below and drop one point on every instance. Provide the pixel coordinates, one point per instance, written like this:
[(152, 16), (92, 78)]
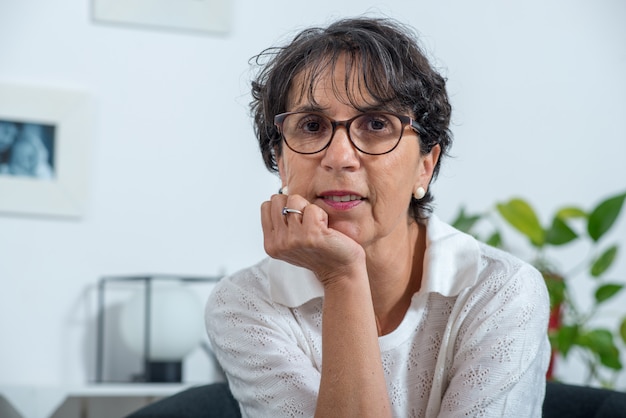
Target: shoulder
[(507, 287), (456, 263), (500, 268), (480, 275), (242, 287), (241, 302), (239, 299)]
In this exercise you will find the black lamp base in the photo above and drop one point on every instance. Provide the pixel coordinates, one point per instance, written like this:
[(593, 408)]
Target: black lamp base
[(164, 371)]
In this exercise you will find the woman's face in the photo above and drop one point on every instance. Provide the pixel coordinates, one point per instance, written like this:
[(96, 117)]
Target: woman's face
[(366, 196), (25, 158)]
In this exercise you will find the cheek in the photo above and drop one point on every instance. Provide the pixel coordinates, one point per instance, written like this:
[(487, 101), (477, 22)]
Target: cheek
[(400, 173), (295, 170), (284, 166), (391, 184)]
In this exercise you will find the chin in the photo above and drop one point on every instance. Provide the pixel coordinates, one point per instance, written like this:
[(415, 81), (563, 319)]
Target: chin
[(348, 228)]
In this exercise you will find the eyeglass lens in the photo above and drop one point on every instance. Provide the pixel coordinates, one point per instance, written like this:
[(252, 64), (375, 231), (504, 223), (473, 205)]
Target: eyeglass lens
[(372, 133)]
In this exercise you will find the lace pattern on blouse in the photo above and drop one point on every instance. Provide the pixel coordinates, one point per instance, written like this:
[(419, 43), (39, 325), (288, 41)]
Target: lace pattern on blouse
[(481, 353)]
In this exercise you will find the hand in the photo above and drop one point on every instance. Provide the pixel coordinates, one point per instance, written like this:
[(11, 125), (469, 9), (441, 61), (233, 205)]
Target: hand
[(306, 240)]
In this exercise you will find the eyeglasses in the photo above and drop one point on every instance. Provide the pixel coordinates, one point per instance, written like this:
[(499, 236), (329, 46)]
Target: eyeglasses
[(372, 133)]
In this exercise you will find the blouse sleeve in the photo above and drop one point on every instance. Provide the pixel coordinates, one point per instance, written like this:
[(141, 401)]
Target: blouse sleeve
[(502, 351), (265, 357)]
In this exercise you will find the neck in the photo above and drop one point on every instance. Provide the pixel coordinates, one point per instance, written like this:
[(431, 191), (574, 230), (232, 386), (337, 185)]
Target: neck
[(395, 275)]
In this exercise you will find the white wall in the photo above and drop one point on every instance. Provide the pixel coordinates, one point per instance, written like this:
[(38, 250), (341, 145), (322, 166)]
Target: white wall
[(176, 180)]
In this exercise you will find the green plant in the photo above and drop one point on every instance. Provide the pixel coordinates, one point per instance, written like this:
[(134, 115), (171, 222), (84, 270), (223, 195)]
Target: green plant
[(572, 327)]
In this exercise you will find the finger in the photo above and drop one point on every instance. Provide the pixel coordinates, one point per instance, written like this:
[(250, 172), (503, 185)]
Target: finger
[(277, 203), (267, 224), (266, 218), (295, 205), (292, 215), (288, 207), (273, 224), (286, 211), (312, 215)]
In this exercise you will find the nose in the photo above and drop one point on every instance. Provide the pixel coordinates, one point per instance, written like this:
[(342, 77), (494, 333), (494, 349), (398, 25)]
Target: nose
[(340, 154)]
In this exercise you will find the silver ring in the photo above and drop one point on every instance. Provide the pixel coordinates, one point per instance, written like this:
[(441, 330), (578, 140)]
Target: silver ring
[(287, 210)]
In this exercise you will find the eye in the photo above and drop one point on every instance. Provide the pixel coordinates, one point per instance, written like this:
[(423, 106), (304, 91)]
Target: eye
[(375, 123), (312, 124)]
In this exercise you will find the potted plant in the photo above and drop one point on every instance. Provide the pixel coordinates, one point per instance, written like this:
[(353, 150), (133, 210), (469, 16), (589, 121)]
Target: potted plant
[(573, 327)]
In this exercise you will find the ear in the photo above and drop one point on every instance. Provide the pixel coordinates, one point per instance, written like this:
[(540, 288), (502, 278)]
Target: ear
[(427, 167)]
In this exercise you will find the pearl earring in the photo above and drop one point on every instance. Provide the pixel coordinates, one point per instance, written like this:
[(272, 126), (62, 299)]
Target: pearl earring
[(419, 193)]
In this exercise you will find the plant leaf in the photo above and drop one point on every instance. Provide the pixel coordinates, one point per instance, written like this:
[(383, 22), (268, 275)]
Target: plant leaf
[(464, 222), (604, 215), (560, 233), (565, 338), (571, 212), (607, 291), (522, 217), (611, 359), (600, 341), (556, 288), (495, 240), (604, 261), (622, 330)]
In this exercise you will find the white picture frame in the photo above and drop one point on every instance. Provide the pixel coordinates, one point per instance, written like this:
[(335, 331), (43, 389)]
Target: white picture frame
[(193, 15), (64, 192)]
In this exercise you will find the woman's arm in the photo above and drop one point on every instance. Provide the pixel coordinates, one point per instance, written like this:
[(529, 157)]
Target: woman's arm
[(352, 380)]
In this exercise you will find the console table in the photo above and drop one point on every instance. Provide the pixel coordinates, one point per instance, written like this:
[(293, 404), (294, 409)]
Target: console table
[(82, 402)]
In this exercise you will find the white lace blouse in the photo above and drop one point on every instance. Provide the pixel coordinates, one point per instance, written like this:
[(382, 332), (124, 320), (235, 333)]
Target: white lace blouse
[(472, 344)]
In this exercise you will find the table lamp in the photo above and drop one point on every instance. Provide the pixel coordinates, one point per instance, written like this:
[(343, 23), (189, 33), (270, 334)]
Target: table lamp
[(162, 322), (175, 328)]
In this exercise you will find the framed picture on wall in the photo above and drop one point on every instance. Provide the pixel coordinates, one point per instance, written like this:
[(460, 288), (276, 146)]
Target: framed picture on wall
[(44, 149), (191, 15)]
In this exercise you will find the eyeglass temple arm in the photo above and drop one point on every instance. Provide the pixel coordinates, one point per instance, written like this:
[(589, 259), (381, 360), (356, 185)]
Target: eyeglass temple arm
[(416, 127)]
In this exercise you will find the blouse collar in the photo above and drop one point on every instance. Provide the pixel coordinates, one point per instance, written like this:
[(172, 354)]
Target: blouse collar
[(451, 264)]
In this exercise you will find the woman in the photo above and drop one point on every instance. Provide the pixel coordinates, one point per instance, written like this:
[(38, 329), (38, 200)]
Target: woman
[(8, 133), (29, 156), (369, 306)]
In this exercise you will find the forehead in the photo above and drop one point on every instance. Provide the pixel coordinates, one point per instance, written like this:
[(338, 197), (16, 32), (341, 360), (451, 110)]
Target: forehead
[(341, 78)]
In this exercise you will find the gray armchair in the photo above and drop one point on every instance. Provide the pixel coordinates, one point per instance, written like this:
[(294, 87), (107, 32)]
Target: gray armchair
[(216, 401)]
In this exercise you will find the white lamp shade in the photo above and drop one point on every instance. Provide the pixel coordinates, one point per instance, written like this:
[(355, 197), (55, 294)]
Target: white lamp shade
[(176, 322)]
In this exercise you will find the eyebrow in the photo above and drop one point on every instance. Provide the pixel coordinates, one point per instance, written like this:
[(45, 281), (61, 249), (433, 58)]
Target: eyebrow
[(309, 107)]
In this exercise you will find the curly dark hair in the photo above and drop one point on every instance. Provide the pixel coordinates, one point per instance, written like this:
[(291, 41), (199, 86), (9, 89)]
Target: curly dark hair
[(391, 68)]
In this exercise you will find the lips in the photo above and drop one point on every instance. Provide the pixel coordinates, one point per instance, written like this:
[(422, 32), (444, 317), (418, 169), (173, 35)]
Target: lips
[(343, 198)]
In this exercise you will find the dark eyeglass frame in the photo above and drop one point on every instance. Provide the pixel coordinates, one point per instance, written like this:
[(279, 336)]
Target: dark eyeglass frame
[(404, 120)]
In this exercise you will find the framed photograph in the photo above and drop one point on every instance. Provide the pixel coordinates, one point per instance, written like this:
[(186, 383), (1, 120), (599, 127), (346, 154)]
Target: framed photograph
[(193, 15), (44, 148)]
